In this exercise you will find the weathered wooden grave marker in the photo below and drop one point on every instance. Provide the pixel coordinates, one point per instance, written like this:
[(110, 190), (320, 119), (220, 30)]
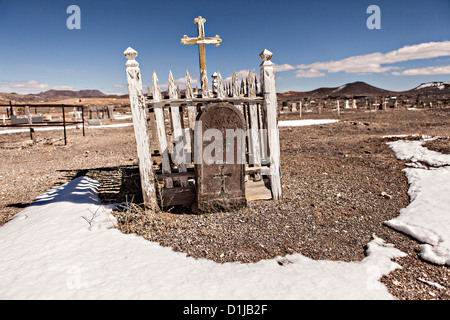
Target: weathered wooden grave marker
[(220, 158), (241, 144)]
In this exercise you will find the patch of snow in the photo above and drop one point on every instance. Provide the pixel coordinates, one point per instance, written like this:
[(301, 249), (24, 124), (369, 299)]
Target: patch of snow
[(415, 152), (427, 217), (122, 116), (301, 123), (63, 247), (438, 84), (340, 88), (117, 125)]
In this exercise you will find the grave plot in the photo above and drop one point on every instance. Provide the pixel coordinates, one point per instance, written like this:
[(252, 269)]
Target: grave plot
[(178, 164)]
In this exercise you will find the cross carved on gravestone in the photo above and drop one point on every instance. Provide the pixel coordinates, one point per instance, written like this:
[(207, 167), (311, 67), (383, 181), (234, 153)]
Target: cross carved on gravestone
[(223, 192)]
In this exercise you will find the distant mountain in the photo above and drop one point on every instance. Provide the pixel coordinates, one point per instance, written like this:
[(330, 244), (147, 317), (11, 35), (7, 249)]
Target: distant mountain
[(437, 87), (359, 89), (52, 95), (72, 94), (362, 89), (347, 90)]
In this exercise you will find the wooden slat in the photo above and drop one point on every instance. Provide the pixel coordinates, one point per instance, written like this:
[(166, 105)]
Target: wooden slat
[(263, 170), (192, 115), (220, 87), (256, 190), (177, 131), (186, 195), (254, 124), (178, 196), (161, 131), (205, 101), (262, 134)]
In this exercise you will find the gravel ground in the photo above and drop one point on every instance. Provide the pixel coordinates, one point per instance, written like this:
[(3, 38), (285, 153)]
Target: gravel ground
[(340, 183)]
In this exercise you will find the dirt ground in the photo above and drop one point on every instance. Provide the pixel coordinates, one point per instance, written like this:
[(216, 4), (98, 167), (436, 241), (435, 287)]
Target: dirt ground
[(340, 183)]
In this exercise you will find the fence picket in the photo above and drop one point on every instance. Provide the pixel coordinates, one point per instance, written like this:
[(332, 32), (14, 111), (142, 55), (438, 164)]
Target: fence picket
[(177, 133), (254, 125), (235, 90), (192, 115), (161, 132)]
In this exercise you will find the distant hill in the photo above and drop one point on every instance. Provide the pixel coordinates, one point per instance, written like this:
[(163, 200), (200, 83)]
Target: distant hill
[(72, 94), (52, 95), (436, 88), (359, 88), (349, 90)]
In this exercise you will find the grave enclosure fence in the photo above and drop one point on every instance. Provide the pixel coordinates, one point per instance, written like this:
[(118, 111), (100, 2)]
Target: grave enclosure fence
[(172, 120), (20, 115)]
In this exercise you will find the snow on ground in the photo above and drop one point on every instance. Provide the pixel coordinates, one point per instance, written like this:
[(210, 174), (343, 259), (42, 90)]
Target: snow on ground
[(300, 123), (63, 247), (117, 125), (287, 123), (427, 217)]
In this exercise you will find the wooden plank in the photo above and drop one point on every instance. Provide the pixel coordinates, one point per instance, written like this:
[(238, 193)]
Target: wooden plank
[(138, 111), (254, 137), (270, 106), (263, 170), (254, 125), (161, 131), (262, 135), (256, 190), (180, 159), (210, 100), (178, 196), (185, 196), (220, 87), (192, 114)]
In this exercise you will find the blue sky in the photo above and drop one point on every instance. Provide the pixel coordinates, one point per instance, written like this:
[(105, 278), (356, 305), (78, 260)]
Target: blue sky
[(315, 43)]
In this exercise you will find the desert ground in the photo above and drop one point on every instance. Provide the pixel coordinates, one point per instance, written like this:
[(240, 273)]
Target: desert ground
[(340, 183)]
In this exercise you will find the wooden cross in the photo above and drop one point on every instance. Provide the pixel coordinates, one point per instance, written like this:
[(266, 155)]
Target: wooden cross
[(201, 41), (222, 176)]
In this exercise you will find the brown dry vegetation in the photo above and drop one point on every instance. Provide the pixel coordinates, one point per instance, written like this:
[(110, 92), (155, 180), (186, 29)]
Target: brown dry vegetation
[(340, 183)]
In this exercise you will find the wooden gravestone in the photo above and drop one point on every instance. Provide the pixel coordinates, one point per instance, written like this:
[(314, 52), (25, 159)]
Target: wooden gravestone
[(220, 158)]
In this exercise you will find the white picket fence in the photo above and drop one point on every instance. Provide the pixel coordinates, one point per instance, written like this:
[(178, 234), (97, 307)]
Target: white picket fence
[(172, 123)]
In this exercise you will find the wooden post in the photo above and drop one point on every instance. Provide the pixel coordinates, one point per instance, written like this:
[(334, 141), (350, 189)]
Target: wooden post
[(300, 107), (64, 124), (82, 119), (138, 112), (11, 113), (268, 89)]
